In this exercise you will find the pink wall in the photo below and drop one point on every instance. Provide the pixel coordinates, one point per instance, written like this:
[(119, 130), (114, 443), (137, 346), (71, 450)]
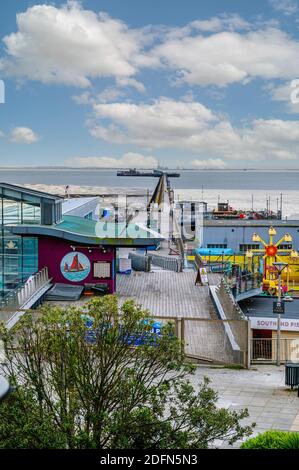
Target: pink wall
[(52, 250)]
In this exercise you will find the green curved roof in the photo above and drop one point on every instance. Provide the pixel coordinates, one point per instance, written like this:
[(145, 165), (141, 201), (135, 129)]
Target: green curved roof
[(78, 229)]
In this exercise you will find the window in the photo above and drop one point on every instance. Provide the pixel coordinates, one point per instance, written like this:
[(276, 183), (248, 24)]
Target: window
[(88, 216), (217, 245), (249, 246), (18, 260), (286, 246)]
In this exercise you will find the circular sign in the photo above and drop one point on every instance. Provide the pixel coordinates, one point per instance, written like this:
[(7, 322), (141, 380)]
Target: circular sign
[(75, 266), (271, 250)]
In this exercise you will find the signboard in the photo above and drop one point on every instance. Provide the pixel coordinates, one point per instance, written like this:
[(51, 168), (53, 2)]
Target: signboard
[(75, 266), (101, 269), (266, 323), (125, 266), (278, 307), (204, 275)]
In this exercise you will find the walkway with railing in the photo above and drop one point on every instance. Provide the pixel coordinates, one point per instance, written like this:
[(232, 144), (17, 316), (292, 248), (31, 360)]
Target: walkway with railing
[(244, 286), (26, 297)]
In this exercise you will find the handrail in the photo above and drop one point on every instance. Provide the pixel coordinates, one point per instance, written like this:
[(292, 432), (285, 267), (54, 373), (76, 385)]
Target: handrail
[(21, 295)]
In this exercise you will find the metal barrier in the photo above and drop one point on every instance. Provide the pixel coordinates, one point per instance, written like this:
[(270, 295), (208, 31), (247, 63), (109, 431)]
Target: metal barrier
[(263, 350), (246, 283), (18, 297), (26, 297), (144, 262), (165, 262)]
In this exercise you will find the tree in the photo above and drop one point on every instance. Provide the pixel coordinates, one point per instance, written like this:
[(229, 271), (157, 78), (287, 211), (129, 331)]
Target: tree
[(98, 377)]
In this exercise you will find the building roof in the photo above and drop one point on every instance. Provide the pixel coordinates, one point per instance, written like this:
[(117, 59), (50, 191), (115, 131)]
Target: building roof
[(27, 191), (90, 232), (250, 223), (71, 204), (263, 307)]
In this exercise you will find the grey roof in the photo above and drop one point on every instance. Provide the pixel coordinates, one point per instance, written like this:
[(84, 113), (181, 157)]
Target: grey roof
[(28, 191), (250, 223), (262, 307)]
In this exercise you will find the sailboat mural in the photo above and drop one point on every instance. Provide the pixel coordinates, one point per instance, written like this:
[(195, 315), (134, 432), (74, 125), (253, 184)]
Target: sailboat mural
[(75, 266)]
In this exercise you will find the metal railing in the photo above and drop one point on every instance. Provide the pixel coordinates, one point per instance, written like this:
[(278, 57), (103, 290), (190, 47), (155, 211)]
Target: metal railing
[(263, 350), (243, 283), (18, 297)]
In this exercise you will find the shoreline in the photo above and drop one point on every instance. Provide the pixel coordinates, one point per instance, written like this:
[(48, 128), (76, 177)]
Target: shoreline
[(239, 199)]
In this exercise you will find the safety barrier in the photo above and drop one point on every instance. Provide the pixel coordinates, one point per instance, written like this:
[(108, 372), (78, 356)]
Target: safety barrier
[(263, 350), (165, 262)]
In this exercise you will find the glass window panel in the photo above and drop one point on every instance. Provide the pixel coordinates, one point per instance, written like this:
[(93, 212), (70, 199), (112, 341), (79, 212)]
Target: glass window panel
[(31, 214), (12, 213)]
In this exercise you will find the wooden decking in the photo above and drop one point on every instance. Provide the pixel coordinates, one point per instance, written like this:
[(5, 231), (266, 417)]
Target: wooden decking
[(166, 293)]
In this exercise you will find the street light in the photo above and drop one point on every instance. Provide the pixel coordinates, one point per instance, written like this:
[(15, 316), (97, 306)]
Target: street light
[(280, 266)]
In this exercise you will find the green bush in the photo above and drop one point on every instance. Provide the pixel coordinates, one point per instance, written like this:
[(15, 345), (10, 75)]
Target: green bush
[(273, 440)]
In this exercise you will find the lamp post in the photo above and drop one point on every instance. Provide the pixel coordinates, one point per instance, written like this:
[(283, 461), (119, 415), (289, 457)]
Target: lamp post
[(279, 267)]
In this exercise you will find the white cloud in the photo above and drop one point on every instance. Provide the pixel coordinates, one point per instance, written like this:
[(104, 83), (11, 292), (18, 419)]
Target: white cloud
[(70, 45), (227, 57), (128, 160), (230, 22), (192, 127), (164, 122), (23, 135), (131, 82), (210, 164), (283, 93), (287, 7)]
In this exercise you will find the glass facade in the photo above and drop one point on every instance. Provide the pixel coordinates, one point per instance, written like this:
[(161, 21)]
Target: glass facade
[(18, 255)]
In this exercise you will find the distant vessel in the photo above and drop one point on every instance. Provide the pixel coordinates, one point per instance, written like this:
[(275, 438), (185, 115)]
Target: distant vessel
[(76, 266), (134, 172)]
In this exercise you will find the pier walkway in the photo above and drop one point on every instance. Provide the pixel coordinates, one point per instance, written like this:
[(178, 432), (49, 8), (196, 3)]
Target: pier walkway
[(167, 293), (174, 296)]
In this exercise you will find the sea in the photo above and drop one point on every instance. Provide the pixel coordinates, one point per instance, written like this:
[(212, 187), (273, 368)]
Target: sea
[(243, 189)]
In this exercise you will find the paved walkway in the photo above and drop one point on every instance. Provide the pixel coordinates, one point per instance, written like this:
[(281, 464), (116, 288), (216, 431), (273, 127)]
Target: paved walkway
[(261, 389)]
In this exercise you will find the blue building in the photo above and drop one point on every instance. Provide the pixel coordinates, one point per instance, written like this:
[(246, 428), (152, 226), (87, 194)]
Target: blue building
[(237, 234)]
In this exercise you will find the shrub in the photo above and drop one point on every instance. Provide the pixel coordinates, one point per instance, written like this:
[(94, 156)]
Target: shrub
[(273, 440), (98, 386)]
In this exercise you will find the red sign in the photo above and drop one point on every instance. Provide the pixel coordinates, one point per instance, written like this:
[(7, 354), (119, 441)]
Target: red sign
[(271, 250)]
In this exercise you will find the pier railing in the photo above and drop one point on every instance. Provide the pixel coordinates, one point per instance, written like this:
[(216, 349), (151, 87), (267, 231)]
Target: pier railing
[(244, 283)]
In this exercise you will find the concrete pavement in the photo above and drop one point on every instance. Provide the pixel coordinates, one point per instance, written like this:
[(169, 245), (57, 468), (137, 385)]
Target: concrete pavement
[(271, 405)]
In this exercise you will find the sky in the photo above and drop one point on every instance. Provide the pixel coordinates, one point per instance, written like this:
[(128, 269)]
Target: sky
[(125, 83)]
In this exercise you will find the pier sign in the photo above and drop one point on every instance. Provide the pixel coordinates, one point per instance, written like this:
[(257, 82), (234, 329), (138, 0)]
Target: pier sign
[(266, 323), (278, 307)]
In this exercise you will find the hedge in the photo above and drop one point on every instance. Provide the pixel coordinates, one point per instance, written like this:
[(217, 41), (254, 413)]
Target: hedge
[(273, 440)]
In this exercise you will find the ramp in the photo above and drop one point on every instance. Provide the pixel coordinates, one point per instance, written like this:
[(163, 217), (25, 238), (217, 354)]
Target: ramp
[(30, 294), (248, 294)]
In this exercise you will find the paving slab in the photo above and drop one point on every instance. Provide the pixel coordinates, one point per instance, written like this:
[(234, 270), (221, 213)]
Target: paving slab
[(271, 405)]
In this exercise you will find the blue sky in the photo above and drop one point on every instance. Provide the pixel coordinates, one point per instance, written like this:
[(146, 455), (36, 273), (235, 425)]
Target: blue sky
[(125, 83)]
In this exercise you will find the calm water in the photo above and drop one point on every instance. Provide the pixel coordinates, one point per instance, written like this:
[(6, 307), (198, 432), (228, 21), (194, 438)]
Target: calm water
[(244, 180)]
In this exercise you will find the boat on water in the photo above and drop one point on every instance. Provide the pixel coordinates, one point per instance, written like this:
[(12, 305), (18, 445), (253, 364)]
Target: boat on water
[(75, 266), (155, 173)]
